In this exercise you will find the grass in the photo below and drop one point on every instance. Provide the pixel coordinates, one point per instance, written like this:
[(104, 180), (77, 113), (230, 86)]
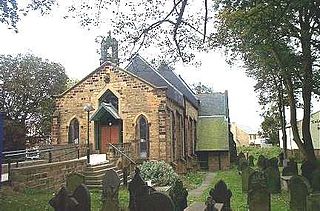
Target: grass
[(192, 180)]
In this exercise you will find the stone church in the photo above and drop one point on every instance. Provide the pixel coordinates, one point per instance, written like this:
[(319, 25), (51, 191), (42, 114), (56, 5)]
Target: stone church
[(151, 110)]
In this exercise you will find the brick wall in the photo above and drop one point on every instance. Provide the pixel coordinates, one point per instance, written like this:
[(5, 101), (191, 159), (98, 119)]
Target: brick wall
[(48, 176), (213, 161)]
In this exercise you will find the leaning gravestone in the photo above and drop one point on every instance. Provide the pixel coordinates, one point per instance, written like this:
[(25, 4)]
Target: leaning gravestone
[(110, 191), (145, 198), (261, 163), (245, 178), (74, 180), (179, 195), (258, 195), (273, 179), (313, 202), (307, 169), (251, 160), (221, 194), (315, 181), (299, 189), (78, 201)]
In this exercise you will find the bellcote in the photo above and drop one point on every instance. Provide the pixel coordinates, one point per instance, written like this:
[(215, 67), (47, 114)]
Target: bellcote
[(109, 50)]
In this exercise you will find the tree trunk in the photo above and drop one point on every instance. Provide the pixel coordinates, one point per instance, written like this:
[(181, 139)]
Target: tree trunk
[(282, 114)]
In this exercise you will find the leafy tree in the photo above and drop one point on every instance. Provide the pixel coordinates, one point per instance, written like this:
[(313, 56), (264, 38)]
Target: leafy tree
[(200, 88), (270, 125), (286, 32), (29, 83)]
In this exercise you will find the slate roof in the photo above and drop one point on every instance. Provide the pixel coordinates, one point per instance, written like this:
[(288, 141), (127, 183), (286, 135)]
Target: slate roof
[(179, 83), (213, 104), (141, 68), (213, 134)]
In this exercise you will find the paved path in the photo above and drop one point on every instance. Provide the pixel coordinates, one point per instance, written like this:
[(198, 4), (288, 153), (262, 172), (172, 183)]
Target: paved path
[(206, 183)]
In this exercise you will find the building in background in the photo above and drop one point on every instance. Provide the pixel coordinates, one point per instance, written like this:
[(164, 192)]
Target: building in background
[(213, 131), (244, 136)]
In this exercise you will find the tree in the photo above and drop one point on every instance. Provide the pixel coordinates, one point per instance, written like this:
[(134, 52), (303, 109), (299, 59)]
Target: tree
[(11, 11), (200, 88), (29, 83), (288, 33), (270, 125)]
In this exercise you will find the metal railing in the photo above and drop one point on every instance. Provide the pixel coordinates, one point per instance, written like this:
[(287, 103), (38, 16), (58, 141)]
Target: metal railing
[(122, 151)]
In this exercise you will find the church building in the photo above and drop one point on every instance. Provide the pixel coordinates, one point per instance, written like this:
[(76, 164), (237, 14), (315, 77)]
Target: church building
[(153, 111)]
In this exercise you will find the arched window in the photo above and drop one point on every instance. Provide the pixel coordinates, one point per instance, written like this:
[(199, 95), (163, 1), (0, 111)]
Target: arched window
[(74, 132), (143, 136), (109, 97)]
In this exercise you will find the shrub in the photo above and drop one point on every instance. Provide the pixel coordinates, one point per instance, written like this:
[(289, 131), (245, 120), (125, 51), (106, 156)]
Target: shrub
[(159, 172)]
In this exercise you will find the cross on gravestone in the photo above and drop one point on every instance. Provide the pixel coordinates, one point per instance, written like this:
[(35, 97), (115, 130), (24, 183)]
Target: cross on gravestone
[(251, 160), (221, 194), (73, 180), (307, 169), (261, 163), (110, 191), (299, 189), (258, 194), (78, 201), (273, 179), (315, 180), (245, 178), (179, 194), (145, 198)]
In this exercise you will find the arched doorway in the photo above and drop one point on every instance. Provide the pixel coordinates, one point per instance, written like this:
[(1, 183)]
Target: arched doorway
[(143, 136), (73, 135)]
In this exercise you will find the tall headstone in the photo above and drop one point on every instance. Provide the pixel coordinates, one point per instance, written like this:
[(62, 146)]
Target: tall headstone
[(110, 191), (179, 194), (74, 179), (307, 169), (221, 194), (261, 163), (299, 188), (273, 179), (251, 160), (243, 163), (315, 180), (258, 195), (245, 178), (82, 196)]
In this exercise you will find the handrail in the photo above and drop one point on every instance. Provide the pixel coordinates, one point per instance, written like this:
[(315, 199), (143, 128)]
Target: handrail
[(132, 161)]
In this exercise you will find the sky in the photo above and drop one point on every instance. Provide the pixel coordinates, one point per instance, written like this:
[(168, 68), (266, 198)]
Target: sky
[(64, 41)]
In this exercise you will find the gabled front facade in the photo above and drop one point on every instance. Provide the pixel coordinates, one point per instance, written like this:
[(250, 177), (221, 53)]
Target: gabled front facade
[(137, 106)]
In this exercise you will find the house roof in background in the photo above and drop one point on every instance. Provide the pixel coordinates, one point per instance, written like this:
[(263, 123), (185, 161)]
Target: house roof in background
[(212, 104)]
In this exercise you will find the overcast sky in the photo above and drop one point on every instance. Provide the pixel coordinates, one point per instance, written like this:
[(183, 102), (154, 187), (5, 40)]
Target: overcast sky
[(64, 41)]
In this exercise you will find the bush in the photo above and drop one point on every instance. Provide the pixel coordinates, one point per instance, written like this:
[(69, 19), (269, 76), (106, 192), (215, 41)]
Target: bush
[(159, 172)]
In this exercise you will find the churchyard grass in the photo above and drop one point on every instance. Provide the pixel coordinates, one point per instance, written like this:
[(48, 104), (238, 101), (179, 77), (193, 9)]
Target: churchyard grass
[(268, 152), (279, 202), (192, 180)]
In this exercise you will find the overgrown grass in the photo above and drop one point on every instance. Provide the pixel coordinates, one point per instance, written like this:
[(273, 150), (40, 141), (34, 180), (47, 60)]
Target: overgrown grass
[(37, 200), (279, 202), (268, 152)]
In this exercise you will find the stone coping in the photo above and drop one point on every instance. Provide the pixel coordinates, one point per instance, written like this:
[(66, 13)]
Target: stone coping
[(51, 164)]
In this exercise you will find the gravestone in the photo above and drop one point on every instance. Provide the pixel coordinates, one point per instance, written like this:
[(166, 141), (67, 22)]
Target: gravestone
[(241, 155), (179, 195), (313, 202), (293, 164), (273, 179), (243, 163), (245, 178), (145, 198), (307, 169), (74, 180), (251, 160), (299, 189), (261, 163), (78, 201), (315, 180), (110, 191), (280, 159), (288, 171), (258, 195), (221, 194), (273, 162)]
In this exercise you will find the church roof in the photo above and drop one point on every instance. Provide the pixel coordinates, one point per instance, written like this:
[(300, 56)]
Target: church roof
[(213, 104), (167, 72), (141, 68)]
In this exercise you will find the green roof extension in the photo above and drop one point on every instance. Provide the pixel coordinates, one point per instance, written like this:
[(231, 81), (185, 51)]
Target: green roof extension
[(212, 134)]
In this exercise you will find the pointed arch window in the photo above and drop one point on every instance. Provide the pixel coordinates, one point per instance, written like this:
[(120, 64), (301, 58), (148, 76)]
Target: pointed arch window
[(143, 136), (73, 132)]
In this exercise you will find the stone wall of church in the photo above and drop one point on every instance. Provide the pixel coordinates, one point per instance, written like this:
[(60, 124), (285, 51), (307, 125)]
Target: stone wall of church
[(136, 97)]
